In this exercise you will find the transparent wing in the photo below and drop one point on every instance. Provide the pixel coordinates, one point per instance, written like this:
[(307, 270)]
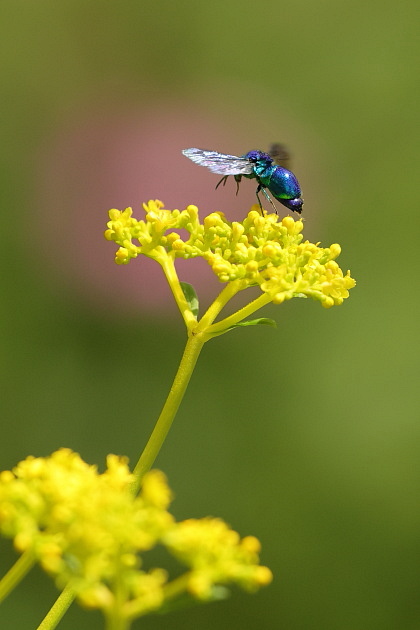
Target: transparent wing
[(280, 154), (220, 162)]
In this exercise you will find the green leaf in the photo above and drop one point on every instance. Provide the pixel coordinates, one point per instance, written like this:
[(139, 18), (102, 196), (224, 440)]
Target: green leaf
[(265, 321), (256, 322), (191, 297)]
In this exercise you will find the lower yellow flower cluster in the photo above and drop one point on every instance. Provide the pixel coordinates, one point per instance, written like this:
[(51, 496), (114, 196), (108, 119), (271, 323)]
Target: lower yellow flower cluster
[(88, 531)]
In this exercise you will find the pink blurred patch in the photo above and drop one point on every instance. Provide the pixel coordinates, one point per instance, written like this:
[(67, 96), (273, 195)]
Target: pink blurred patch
[(114, 160)]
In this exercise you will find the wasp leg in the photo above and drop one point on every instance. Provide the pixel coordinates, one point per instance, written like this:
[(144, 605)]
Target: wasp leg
[(259, 200), (267, 196), (237, 180), (224, 180)]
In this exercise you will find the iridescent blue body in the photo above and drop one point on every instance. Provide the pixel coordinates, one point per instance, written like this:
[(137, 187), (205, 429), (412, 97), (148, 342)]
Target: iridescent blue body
[(281, 183)]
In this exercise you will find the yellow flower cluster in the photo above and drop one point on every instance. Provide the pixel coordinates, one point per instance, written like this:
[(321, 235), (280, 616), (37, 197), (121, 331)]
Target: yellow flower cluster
[(216, 554), (260, 250), (89, 532)]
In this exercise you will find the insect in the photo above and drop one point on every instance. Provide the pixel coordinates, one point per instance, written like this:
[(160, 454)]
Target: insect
[(281, 183)]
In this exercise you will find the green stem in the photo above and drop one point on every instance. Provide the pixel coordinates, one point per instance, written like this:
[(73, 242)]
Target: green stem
[(57, 611), (16, 573), (169, 270), (222, 299), (117, 623), (177, 586), (116, 617), (159, 433), (171, 590), (221, 326)]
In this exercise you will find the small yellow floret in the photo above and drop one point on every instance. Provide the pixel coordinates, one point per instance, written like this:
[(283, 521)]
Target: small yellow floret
[(155, 489), (121, 257), (251, 544), (263, 576)]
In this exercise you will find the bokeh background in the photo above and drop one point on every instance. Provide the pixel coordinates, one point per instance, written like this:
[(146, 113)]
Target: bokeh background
[(305, 436)]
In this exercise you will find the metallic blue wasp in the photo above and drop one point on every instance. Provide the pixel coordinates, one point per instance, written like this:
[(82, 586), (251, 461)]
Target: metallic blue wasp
[(282, 183)]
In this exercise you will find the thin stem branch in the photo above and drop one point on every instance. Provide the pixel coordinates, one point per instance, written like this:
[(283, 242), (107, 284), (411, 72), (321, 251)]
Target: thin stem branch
[(58, 610), (16, 573), (222, 299), (169, 270), (220, 326)]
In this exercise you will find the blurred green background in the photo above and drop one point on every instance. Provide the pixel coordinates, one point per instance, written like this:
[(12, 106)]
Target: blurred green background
[(305, 436)]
